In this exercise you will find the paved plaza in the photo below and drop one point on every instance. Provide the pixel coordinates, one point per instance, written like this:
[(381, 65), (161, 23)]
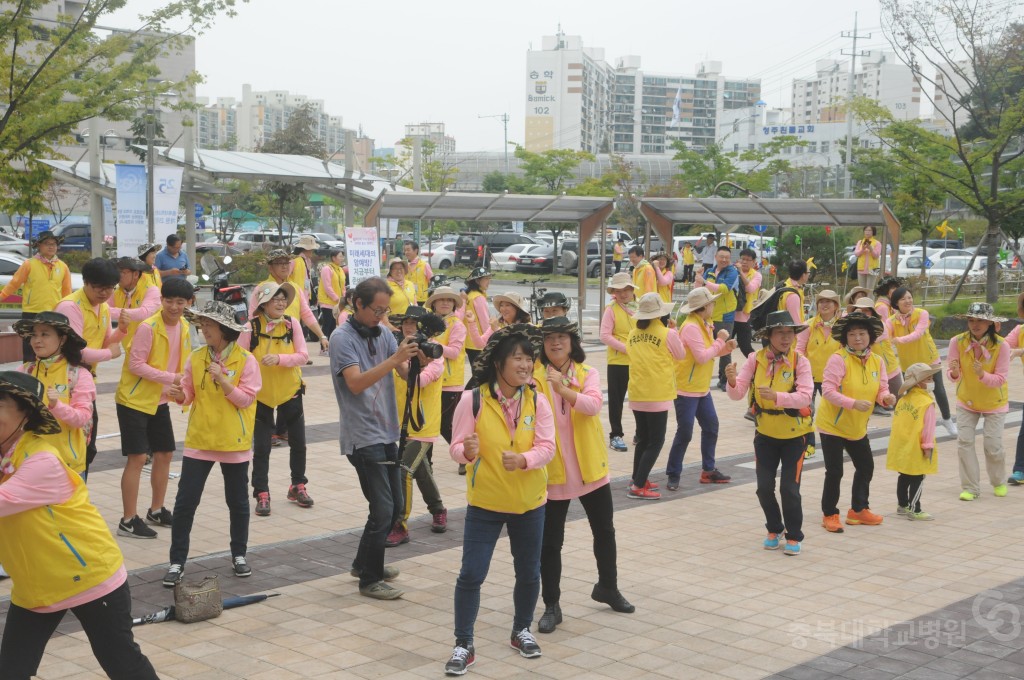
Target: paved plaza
[(933, 600)]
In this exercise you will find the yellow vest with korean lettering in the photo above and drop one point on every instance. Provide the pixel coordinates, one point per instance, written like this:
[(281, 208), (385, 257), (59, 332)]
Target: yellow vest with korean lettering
[(649, 358), (214, 423), (70, 442), (418, 276), (54, 552), (488, 484), (481, 324), (905, 454), (143, 395), (42, 289), (122, 300), (337, 276), (969, 390), (922, 350), (280, 383), (691, 376), (454, 369), (781, 379), (426, 407), (820, 346), (862, 381), (624, 323), (587, 432)]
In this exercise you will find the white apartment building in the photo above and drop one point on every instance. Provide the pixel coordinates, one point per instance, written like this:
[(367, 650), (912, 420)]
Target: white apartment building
[(950, 87), (821, 98), (444, 144)]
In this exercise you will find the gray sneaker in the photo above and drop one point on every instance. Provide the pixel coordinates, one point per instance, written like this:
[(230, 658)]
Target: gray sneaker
[(381, 591)]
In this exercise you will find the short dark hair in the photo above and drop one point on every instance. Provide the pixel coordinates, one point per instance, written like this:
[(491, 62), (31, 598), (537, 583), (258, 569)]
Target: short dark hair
[(859, 323), (874, 230), (725, 248), (896, 296), (177, 288), (368, 289), (576, 352), (412, 244), (172, 239), (797, 268), (642, 324), (637, 250), (747, 252), (101, 272)]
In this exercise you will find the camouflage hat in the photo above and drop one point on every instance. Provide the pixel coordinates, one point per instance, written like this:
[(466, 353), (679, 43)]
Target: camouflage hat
[(276, 255)]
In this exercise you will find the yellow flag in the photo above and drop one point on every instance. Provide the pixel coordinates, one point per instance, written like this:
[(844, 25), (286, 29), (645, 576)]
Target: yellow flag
[(944, 228), (846, 265), (810, 264)]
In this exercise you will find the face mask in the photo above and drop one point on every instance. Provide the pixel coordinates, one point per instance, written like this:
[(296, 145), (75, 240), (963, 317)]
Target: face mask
[(930, 387)]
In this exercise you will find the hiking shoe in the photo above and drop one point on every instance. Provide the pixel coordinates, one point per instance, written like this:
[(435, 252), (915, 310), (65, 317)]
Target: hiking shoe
[(241, 567), (810, 451), (644, 494), (618, 444), (297, 493), (714, 477), (832, 523), (792, 548), (672, 484), (550, 619), (902, 511), (397, 536), (263, 504), (173, 575), (160, 518), (950, 426), (1000, 490), (524, 641), (968, 496), (439, 522), (134, 528), (381, 591), (611, 597), (1017, 478), (771, 542), (462, 471), (865, 516), (390, 573), (277, 441), (463, 656), (648, 485), (919, 516)]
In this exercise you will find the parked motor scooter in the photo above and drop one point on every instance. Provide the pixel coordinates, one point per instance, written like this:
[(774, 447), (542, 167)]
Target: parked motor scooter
[(223, 291)]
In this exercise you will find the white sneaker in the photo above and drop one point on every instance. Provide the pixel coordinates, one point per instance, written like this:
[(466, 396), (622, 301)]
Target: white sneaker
[(950, 427)]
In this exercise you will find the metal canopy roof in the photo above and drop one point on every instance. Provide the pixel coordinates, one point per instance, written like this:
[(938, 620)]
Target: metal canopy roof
[(729, 213), (77, 174), (422, 205)]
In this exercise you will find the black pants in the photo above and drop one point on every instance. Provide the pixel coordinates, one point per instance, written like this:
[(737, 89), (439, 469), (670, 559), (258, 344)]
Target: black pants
[(687, 273), (381, 484), (618, 265), (27, 353), (650, 438), (908, 491), (863, 470), (194, 473), (291, 415), (815, 393), (449, 400), (327, 322), (90, 447), (769, 454), (940, 396), (598, 506), (107, 622), (618, 382)]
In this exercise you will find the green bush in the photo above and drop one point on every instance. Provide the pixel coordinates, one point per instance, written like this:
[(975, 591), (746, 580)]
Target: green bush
[(75, 259), (814, 242), (249, 268)]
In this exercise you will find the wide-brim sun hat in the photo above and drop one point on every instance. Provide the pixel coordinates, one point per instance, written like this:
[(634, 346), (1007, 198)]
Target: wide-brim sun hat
[(32, 394), (872, 323), (514, 299), (478, 273), (698, 298), (560, 324), (651, 306), (277, 254), (527, 330), (981, 310), (855, 293), (779, 319), (444, 293), (863, 303), (554, 299), (397, 260), (221, 312), (307, 242), (25, 328), (829, 295), (147, 248), (45, 236), (267, 290), (620, 281), (914, 374), (887, 282)]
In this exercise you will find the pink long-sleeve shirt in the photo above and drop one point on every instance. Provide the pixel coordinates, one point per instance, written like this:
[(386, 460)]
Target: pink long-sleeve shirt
[(832, 380), (147, 307), (142, 345), (242, 396), (664, 277), (794, 308), (798, 399), (588, 402), (876, 251), (752, 286), (804, 338), (608, 327), (299, 357), (328, 288), (483, 317), (305, 313), (77, 321), (995, 379), (928, 433), (77, 413), (456, 341), (464, 424), (675, 348), (693, 343)]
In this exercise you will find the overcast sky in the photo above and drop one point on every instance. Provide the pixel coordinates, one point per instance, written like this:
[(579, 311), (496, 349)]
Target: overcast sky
[(382, 65)]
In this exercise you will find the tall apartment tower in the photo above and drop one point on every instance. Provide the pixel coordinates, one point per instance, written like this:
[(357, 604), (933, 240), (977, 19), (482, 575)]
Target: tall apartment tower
[(821, 98)]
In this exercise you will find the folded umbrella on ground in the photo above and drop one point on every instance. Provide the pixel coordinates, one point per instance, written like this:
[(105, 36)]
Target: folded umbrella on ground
[(167, 613)]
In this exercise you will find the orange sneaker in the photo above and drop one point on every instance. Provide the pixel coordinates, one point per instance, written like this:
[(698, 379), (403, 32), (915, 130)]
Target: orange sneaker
[(832, 523), (865, 516)]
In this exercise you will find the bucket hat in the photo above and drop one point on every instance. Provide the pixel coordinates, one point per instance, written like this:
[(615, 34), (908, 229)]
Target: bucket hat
[(872, 323), (620, 281), (31, 393), (269, 289), (651, 306), (444, 293), (915, 374), (221, 312), (24, 327), (980, 310), (779, 319), (698, 298)]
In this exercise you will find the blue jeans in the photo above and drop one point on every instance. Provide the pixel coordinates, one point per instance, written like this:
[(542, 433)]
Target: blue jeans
[(480, 534), (687, 410), (381, 482)]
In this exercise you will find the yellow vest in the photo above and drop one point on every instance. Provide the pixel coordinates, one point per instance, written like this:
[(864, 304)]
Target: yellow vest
[(280, 383), (454, 369), (922, 350), (94, 325), (214, 423), (42, 289), (148, 279), (300, 277), (861, 381), (820, 346), (124, 301), (587, 433), (688, 256), (691, 376), (418, 276), (57, 551), (751, 297), (724, 304), (799, 291), (481, 324), (293, 310), (905, 453), (649, 358), (337, 276), (643, 277), (144, 395), (969, 390), (401, 297), (624, 323), (1020, 343), (426, 408), (869, 256), (488, 484), (780, 425), (69, 443)]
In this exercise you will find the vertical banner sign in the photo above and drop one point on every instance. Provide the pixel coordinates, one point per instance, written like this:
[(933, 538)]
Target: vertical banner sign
[(166, 195), (362, 251), (132, 228), (109, 225)]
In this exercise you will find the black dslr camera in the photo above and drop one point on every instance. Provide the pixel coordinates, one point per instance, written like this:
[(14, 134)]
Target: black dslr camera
[(428, 325)]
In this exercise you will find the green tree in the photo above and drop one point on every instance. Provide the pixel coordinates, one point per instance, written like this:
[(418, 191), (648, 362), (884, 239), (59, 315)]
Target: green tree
[(140, 133), (285, 202)]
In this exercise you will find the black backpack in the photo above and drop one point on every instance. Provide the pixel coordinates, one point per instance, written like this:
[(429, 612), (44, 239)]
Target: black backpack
[(759, 314), (256, 329)]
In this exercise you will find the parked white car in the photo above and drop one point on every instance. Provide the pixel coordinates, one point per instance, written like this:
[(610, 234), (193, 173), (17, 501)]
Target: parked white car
[(13, 244), (11, 307), (441, 256), (942, 267), (506, 260)]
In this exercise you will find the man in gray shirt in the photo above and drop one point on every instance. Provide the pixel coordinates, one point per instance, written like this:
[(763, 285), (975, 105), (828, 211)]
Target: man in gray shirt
[(363, 355)]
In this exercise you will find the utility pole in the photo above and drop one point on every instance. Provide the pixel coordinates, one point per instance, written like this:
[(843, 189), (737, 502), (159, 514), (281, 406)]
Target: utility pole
[(853, 54), (417, 174), (504, 118)]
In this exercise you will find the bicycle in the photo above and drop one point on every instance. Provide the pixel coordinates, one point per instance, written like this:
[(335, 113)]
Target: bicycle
[(536, 294)]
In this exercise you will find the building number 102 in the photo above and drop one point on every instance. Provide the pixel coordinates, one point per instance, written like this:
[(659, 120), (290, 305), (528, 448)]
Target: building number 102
[(541, 110)]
